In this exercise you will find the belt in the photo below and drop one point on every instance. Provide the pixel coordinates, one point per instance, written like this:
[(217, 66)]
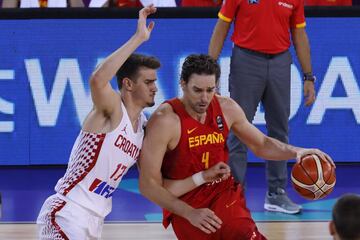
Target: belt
[(261, 54)]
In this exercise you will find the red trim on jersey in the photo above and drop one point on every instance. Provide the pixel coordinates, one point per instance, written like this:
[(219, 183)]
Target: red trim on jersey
[(53, 222), (91, 165), (263, 25)]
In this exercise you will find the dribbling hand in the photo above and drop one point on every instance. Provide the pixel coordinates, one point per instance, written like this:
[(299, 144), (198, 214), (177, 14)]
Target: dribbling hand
[(307, 151)]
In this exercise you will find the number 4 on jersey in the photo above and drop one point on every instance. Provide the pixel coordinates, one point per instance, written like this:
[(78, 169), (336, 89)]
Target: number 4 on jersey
[(205, 159)]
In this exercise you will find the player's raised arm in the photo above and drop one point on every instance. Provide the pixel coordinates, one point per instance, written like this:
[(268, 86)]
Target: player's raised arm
[(103, 96)]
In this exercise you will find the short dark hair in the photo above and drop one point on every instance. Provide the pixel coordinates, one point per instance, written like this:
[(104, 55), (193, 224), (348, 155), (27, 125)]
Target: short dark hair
[(346, 216), (131, 67), (200, 64)]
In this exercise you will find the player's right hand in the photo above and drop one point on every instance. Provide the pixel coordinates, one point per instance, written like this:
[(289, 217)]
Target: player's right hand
[(204, 219), (217, 173), (307, 151), (143, 31)]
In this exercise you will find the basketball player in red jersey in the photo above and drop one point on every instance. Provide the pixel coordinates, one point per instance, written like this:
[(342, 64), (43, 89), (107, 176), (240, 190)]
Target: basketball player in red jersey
[(197, 126)]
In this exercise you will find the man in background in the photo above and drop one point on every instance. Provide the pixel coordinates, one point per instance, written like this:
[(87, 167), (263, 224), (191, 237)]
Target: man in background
[(260, 73)]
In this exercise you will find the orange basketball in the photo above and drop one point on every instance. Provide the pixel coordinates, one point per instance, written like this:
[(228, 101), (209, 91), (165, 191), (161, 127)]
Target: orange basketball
[(313, 177)]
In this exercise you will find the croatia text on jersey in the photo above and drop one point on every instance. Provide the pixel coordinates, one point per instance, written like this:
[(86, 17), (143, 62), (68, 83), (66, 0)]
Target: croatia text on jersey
[(127, 147)]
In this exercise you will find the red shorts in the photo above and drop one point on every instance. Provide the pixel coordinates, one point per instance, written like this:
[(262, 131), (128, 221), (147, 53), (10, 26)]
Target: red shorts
[(230, 207)]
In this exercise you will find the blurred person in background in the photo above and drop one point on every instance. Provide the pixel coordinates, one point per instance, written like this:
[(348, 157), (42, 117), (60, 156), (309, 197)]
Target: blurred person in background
[(345, 223), (200, 3), (41, 3), (132, 3), (328, 2), (260, 72)]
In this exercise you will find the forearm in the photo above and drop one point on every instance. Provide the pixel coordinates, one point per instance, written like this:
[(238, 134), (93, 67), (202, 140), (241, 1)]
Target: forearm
[(179, 187), (273, 149), (218, 172), (155, 192), (217, 39), (108, 68), (302, 48)]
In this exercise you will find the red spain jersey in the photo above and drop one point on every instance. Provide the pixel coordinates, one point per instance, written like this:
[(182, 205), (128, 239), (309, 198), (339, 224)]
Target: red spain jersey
[(201, 146), (263, 25)]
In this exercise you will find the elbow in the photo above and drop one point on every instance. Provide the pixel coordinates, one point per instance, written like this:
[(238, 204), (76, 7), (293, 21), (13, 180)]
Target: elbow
[(144, 186), (98, 79), (95, 81), (257, 152)]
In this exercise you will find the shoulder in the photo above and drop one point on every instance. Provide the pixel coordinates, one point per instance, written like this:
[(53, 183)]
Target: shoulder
[(164, 126), (231, 110), (164, 116), (227, 104)]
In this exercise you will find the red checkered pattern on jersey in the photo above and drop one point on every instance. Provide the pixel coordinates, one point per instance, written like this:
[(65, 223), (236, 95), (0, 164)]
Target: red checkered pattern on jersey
[(81, 161), (52, 230)]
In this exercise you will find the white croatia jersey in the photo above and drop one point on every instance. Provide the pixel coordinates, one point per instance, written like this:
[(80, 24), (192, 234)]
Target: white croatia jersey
[(97, 163)]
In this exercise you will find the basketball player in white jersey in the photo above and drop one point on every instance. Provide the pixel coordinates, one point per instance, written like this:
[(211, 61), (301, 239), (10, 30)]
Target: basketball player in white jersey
[(109, 144)]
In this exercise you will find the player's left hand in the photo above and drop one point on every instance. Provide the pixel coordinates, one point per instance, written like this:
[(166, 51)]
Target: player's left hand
[(143, 31), (217, 173), (308, 151), (205, 219), (309, 92)]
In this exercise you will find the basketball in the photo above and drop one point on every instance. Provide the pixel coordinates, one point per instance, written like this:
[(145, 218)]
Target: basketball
[(313, 177)]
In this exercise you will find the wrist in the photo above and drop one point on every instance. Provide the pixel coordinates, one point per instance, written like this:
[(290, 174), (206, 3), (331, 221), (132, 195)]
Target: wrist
[(138, 38), (186, 211), (198, 178), (309, 76)]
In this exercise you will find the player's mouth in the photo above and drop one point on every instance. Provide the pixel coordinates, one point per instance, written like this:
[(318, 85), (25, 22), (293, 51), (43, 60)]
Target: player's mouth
[(202, 105)]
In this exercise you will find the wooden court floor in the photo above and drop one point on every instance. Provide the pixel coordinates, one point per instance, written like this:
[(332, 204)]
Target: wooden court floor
[(155, 231)]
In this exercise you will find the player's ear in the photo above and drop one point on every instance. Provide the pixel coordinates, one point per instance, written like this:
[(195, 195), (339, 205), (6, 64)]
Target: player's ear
[(182, 84), (332, 228), (127, 83)]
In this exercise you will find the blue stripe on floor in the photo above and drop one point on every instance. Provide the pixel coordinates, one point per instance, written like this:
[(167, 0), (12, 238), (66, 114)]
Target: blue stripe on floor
[(319, 210), (130, 205)]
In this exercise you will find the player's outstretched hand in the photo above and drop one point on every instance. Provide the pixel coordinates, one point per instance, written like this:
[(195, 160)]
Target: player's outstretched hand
[(204, 219), (307, 151), (217, 173), (143, 31)]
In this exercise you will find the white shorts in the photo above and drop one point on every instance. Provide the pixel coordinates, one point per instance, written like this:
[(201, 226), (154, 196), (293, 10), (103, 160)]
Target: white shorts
[(60, 218)]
